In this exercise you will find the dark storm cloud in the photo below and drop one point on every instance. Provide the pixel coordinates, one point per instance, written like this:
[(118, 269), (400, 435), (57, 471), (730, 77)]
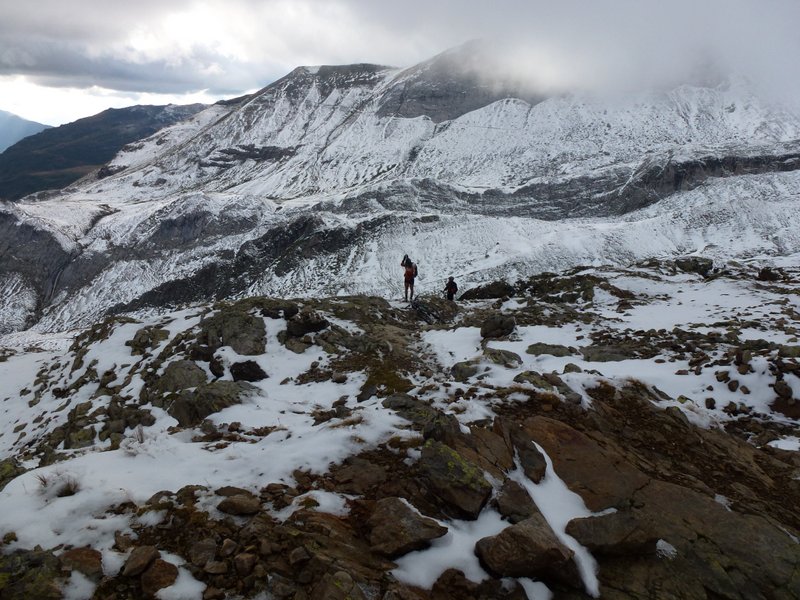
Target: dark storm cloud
[(586, 44)]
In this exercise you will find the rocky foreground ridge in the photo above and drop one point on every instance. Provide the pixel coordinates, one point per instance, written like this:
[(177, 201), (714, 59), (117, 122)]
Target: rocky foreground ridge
[(614, 433)]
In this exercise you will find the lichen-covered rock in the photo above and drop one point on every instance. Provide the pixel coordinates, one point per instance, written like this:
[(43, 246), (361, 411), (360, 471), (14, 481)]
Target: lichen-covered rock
[(243, 332), (398, 529), (411, 409), (190, 408), (457, 481), (180, 375), (25, 575)]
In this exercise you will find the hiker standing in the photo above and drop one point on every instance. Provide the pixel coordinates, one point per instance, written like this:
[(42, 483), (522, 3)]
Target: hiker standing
[(409, 273), (450, 288)]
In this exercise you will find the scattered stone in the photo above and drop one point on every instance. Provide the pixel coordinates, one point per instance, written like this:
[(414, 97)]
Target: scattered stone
[(398, 529), (202, 552), (244, 563), (458, 482), (139, 559), (159, 575)]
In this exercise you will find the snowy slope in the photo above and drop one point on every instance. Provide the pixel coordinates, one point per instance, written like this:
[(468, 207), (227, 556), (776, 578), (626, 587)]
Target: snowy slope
[(315, 185)]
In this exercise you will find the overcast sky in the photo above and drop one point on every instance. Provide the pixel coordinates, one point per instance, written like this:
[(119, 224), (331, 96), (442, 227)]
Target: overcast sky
[(65, 59)]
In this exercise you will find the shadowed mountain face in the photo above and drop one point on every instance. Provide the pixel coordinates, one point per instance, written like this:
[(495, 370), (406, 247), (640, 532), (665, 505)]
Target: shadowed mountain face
[(61, 155), (14, 128)]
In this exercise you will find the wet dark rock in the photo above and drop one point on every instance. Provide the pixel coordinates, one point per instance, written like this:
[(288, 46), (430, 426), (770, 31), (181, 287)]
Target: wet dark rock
[(248, 370), (397, 529)]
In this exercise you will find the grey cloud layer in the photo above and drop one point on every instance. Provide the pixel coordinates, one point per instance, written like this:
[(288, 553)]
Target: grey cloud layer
[(611, 43)]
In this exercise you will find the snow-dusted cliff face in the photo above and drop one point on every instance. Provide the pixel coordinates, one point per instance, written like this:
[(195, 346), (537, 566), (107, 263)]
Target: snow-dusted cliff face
[(320, 182)]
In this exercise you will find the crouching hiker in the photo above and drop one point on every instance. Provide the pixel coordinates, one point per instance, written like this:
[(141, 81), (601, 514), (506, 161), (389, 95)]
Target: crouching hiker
[(409, 274), (450, 288)]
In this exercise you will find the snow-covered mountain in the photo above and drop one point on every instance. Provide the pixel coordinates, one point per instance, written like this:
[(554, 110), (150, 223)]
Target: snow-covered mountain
[(320, 182)]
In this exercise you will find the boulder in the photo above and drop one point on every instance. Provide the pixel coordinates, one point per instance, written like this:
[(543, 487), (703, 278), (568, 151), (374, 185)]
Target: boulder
[(9, 469), (202, 552), (180, 375), (497, 326), (526, 549), (514, 503), (489, 291), (190, 408), (397, 529), (462, 371), (619, 533), (243, 332), (248, 370), (458, 482), (357, 476)]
